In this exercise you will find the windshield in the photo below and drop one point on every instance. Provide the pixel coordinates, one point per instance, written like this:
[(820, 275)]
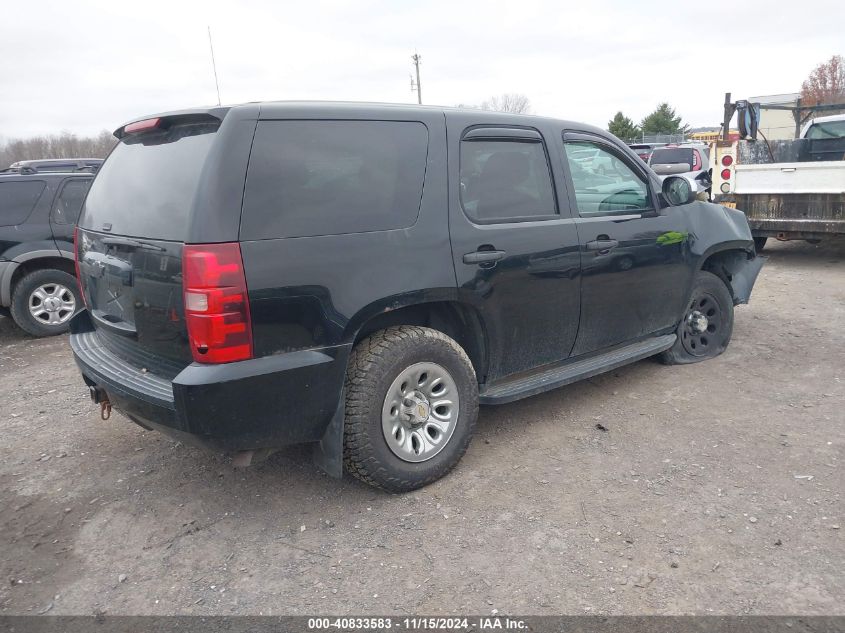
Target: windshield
[(828, 129), (146, 188)]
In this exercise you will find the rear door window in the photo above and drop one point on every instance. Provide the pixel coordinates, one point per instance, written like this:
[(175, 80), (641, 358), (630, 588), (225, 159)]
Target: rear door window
[(308, 178), (17, 199), (69, 201), (506, 180)]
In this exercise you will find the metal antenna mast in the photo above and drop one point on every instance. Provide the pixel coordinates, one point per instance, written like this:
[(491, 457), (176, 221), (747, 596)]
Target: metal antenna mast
[(416, 86), (213, 65)]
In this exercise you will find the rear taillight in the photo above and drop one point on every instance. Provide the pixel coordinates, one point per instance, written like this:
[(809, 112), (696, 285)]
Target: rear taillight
[(76, 264), (727, 160), (726, 174), (216, 303)]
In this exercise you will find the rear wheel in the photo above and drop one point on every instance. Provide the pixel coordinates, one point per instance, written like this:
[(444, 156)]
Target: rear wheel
[(411, 407), (706, 328), (760, 243), (44, 302)]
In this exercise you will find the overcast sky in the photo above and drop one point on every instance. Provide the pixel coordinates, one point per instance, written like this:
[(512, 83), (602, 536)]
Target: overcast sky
[(84, 66)]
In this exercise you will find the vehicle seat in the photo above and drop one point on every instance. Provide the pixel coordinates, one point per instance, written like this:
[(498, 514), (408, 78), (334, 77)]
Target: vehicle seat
[(500, 187)]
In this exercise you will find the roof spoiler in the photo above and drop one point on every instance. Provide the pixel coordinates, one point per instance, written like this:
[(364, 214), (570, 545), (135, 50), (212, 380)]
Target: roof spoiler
[(163, 122)]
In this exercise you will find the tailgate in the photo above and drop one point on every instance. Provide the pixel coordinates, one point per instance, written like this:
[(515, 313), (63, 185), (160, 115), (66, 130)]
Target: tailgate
[(133, 291)]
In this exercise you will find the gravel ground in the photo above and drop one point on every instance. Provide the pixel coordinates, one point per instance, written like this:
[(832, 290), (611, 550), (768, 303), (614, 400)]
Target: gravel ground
[(715, 488)]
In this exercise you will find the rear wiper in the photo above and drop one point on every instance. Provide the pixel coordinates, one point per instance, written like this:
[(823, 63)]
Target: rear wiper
[(127, 241)]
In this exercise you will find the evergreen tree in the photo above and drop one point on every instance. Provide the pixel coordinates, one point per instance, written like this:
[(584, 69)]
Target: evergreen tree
[(623, 128), (663, 121)]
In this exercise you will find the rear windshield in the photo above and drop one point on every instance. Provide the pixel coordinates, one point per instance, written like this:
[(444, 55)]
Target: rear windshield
[(17, 200), (829, 129), (671, 157), (309, 178), (147, 186)]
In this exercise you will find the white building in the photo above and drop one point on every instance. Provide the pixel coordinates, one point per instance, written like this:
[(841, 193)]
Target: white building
[(777, 124)]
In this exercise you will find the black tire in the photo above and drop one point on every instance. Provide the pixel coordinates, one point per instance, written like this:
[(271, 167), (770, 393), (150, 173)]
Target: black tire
[(711, 299), (23, 295), (374, 366), (760, 243)]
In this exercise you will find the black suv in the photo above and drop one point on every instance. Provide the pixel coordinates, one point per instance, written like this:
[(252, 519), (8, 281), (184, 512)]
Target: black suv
[(364, 276), (90, 165), (37, 215)]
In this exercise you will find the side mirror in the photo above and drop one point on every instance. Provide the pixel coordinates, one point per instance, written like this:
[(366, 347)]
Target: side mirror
[(678, 191)]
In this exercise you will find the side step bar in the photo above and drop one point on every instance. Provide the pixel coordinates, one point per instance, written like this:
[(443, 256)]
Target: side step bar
[(523, 386)]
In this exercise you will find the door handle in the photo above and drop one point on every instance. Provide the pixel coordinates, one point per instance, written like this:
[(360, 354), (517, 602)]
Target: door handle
[(483, 257), (602, 246)]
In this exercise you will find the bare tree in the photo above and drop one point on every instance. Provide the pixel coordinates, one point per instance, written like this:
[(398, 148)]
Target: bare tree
[(508, 102), (63, 145), (826, 84)]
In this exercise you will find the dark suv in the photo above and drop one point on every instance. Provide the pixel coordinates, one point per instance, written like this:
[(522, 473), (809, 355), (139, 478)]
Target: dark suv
[(37, 215), (364, 276)]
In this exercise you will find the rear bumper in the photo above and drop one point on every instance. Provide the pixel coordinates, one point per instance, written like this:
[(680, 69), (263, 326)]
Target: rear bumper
[(262, 403)]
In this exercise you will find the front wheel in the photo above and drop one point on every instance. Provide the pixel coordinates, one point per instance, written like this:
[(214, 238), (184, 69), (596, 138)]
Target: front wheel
[(411, 407), (44, 302), (707, 325)]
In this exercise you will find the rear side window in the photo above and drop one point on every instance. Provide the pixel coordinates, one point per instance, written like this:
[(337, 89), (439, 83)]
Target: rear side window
[(69, 202), (309, 178), (17, 199), (505, 180), (147, 186)]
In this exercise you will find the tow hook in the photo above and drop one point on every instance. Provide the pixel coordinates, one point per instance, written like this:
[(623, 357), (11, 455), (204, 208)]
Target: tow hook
[(99, 396)]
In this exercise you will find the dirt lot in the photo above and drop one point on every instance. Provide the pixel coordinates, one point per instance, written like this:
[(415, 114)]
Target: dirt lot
[(716, 488)]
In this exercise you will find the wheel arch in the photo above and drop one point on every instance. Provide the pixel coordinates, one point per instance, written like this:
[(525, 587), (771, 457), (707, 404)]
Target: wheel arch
[(32, 264), (458, 320), (735, 265)]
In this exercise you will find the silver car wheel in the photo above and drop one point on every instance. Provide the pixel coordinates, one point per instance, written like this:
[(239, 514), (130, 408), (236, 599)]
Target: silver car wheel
[(52, 304), (420, 412)]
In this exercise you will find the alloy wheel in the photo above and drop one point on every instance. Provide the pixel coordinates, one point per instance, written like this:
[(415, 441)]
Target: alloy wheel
[(420, 412)]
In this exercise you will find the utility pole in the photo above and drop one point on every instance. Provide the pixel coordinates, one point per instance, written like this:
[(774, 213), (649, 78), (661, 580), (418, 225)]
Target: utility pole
[(416, 86), (796, 113), (213, 65), (726, 121)]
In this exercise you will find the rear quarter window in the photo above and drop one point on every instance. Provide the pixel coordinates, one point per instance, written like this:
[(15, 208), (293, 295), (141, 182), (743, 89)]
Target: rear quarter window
[(17, 199), (69, 201), (308, 178)]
